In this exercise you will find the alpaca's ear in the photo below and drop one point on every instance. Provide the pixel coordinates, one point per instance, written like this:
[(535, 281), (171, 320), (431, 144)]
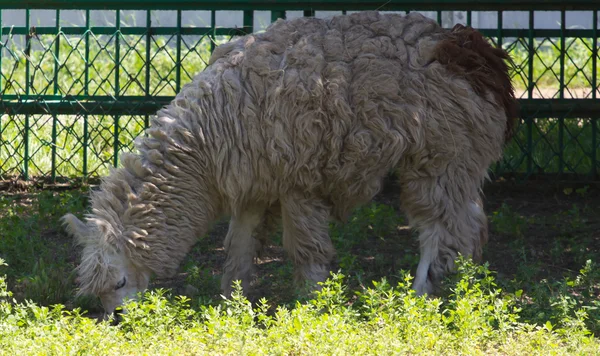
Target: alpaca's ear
[(75, 227)]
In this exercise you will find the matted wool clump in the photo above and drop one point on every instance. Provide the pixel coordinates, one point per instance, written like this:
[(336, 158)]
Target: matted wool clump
[(301, 123)]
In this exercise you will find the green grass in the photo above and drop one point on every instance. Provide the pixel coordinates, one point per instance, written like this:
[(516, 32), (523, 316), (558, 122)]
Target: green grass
[(546, 64), (95, 132), (381, 319), (537, 295)]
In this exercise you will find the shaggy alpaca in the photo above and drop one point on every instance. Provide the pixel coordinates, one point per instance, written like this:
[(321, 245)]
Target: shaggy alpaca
[(302, 122)]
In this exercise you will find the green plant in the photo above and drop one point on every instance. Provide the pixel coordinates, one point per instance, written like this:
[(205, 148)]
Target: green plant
[(506, 221)]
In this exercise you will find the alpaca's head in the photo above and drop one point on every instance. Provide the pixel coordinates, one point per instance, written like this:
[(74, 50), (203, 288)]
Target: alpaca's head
[(105, 270)]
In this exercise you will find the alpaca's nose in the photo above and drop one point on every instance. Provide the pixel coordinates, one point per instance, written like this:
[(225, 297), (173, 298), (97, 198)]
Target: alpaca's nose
[(117, 316)]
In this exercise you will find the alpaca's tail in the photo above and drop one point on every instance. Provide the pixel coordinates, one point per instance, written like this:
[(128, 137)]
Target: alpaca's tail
[(468, 54)]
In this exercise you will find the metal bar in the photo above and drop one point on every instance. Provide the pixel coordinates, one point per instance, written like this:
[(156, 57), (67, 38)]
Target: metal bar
[(26, 155), (469, 19), (85, 147), (439, 17), (178, 54), (535, 108), (594, 173), (87, 52), (148, 46), (71, 99), (531, 53), (530, 85), (1, 89), (277, 14), (116, 141), (226, 31), (27, 85), (491, 5), (499, 31), (248, 21), (499, 34), (595, 162), (53, 148), (561, 93), (212, 36), (595, 55), (86, 91), (222, 31), (1, 50), (56, 89), (118, 54), (57, 53), (309, 13)]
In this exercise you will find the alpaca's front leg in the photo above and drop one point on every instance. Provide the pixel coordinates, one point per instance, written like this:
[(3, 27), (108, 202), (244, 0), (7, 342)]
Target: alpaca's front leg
[(241, 248), (306, 237)]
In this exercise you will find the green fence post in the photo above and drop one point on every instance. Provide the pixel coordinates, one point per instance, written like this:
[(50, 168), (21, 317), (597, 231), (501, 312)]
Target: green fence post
[(594, 172), (1, 89), (86, 91), (276, 14), (595, 55), (148, 45), (248, 21), (56, 89), (213, 35), (87, 52), (530, 85), (117, 54), (178, 54), (561, 94), (500, 23), (1, 50), (27, 84), (594, 123), (116, 141), (85, 147)]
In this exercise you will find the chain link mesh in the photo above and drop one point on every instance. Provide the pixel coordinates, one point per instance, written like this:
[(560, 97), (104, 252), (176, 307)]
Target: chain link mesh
[(74, 97)]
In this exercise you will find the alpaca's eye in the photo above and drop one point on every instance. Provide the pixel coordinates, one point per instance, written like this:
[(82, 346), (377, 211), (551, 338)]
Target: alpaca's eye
[(121, 283)]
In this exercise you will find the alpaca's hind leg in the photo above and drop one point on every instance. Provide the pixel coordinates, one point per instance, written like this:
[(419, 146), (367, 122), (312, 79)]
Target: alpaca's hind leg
[(241, 247), (267, 227), (306, 237), (448, 213)]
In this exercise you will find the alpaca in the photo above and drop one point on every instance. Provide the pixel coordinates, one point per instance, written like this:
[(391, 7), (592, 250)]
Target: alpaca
[(301, 123)]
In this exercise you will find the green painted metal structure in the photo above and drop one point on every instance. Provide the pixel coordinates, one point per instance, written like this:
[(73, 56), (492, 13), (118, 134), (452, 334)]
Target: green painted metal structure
[(72, 97)]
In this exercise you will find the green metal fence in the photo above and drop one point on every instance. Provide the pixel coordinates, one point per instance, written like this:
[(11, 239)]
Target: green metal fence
[(75, 95)]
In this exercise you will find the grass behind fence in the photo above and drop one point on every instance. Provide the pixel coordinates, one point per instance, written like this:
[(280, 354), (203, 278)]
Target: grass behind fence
[(85, 144)]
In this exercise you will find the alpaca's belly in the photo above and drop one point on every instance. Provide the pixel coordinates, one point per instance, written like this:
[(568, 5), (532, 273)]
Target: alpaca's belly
[(356, 184)]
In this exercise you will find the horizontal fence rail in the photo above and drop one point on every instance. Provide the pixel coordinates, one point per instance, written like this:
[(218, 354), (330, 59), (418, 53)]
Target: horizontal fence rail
[(80, 79), (283, 5)]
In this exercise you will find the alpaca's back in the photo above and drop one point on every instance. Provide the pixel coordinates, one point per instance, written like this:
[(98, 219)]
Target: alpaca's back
[(331, 106)]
